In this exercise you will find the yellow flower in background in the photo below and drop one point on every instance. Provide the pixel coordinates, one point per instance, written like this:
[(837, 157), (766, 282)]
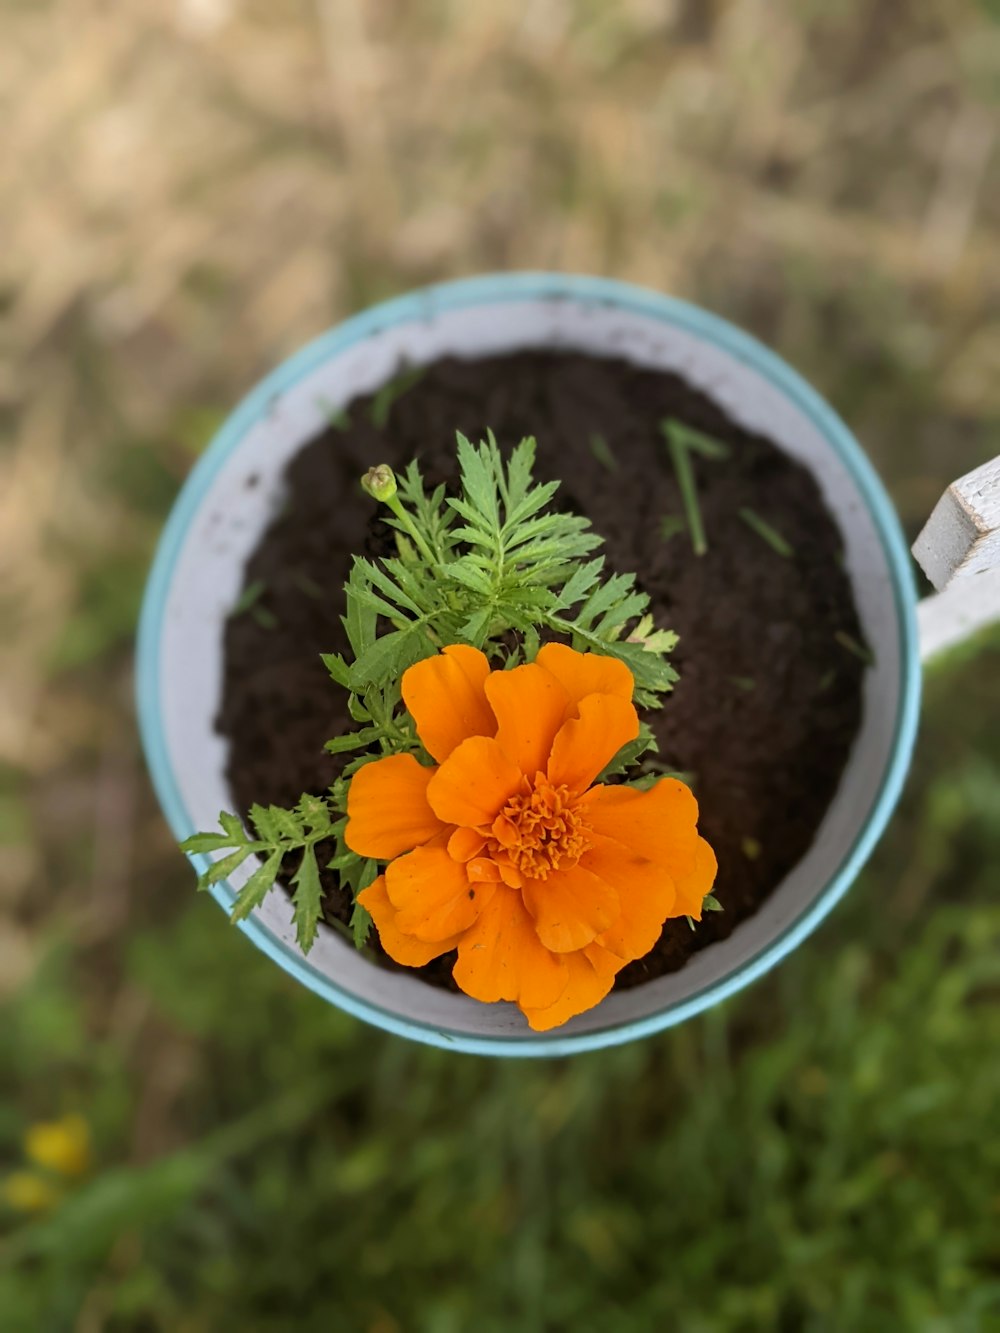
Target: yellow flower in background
[(62, 1146), (28, 1192)]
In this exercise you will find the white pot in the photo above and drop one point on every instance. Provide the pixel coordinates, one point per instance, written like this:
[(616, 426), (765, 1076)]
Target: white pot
[(198, 571)]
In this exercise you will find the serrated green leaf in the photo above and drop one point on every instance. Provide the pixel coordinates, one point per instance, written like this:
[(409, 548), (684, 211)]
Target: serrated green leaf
[(265, 823), (474, 629), (206, 842), (393, 614), (603, 598), (359, 620), (314, 813), (281, 823), (581, 582), (257, 887), (629, 755), (514, 487), (389, 656), (381, 580), (361, 924), (478, 473), (352, 740), (223, 868), (233, 825), (465, 572), (307, 899), (337, 667)]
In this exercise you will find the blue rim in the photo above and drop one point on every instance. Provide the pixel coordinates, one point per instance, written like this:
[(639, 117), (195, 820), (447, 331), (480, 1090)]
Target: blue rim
[(491, 289)]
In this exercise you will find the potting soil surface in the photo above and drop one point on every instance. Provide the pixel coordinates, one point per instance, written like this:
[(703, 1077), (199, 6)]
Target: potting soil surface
[(771, 655)]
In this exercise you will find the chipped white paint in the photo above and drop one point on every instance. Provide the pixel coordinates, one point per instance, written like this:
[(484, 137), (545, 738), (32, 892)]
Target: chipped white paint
[(959, 551)]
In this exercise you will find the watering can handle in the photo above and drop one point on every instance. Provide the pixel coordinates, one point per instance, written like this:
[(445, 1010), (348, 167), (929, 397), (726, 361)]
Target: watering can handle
[(959, 551)]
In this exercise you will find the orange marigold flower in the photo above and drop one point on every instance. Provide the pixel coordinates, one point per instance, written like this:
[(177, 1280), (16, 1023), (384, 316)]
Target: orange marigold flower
[(546, 884)]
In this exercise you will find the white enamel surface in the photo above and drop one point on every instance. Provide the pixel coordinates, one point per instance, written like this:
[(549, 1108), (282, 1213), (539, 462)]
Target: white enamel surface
[(208, 575)]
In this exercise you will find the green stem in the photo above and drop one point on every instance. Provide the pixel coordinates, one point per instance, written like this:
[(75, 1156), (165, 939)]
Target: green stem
[(412, 530)]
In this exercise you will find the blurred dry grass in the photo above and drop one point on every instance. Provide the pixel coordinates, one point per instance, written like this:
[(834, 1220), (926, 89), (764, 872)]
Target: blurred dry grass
[(191, 188)]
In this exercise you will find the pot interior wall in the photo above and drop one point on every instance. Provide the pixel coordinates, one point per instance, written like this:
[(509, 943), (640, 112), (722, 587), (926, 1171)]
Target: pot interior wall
[(233, 495)]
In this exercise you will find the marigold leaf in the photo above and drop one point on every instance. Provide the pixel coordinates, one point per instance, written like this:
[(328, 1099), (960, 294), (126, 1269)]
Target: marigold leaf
[(581, 582), (224, 867), (475, 628), (352, 740), (361, 924), (314, 813), (630, 754), (465, 572), (389, 656), (233, 825), (385, 584), (478, 474), (257, 887), (337, 668), (307, 899), (206, 842)]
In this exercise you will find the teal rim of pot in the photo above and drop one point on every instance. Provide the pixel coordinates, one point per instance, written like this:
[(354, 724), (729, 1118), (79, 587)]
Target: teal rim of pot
[(491, 289)]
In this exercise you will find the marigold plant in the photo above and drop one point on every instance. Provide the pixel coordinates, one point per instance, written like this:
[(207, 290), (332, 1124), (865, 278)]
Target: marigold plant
[(546, 884), (500, 794)]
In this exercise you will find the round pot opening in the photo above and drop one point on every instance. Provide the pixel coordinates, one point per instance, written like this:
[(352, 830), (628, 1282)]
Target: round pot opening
[(220, 516)]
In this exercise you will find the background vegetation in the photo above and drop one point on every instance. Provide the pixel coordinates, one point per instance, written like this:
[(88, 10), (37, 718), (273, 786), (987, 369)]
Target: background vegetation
[(189, 189)]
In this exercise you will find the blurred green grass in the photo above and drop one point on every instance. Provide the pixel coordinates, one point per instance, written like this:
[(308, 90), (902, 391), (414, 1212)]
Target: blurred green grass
[(190, 189)]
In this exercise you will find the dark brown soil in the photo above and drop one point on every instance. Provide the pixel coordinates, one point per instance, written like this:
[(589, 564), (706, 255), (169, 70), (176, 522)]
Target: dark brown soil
[(769, 699)]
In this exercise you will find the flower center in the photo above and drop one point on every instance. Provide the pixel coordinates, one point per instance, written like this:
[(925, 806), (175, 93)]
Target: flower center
[(541, 830)]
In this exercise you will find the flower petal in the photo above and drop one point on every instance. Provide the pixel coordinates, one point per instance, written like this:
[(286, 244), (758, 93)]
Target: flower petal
[(691, 888), (659, 824), (581, 674), (403, 948), (465, 843), (432, 894), (570, 908), (387, 809), (472, 785), (646, 893), (530, 706), (592, 973), (585, 744), (502, 958), (444, 695)]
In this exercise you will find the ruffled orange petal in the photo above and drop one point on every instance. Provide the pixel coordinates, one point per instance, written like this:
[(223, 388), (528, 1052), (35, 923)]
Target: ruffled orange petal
[(405, 949), (432, 894), (646, 894), (581, 674), (585, 744), (571, 907), (502, 958), (659, 824), (445, 697), (530, 706), (691, 888), (592, 973), (465, 843), (387, 809), (472, 785)]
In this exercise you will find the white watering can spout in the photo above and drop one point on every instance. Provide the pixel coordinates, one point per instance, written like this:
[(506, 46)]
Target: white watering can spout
[(959, 551)]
